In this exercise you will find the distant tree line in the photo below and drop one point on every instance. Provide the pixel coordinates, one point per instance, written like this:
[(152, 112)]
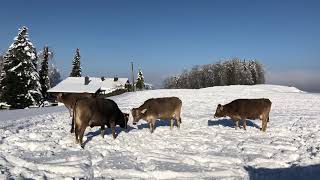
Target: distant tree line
[(229, 72)]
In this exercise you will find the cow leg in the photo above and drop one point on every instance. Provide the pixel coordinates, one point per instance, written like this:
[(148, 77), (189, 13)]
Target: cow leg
[(152, 124), (77, 133), (151, 127), (245, 124), (237, 124), (70, 112), (171, 123), (264, 127), (82, 129), (113, 129), (178, 120), (102, 131), (72, 125)]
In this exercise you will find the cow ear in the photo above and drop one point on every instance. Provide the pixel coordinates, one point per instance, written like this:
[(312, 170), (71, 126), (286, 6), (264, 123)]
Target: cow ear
[(143, 111)]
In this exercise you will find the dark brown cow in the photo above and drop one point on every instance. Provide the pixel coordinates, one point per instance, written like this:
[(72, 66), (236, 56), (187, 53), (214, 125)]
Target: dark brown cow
[(242, 109), (97, 112), (69, 99), (168, 108)]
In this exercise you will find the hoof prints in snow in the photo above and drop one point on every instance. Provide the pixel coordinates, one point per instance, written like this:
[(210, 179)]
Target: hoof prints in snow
[(41, 146)]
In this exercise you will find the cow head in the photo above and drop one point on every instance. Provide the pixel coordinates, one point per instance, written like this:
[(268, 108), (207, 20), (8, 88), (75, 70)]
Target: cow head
[(137, 114), (59, 97), (219, 112)]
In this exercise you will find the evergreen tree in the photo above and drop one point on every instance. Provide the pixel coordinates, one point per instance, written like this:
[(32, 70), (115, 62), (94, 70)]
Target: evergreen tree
[(1, 63), (54, 75), (234, 71), (1, 68), (140, 80), (245, 73), (44, 74), (76, 67), (19, 81), (260, 73)]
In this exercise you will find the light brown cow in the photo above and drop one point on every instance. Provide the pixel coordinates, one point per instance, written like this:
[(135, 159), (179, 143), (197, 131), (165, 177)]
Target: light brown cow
[(69, 100), (243, 109), (168, 108)]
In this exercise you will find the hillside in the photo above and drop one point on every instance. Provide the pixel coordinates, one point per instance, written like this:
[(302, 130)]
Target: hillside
[(40, 146)]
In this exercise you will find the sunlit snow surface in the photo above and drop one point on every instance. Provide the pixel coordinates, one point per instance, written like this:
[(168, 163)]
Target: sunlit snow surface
[(41, 146)]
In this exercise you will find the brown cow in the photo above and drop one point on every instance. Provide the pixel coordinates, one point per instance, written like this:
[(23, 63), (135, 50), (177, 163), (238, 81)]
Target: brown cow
[(69, 99), (168, 108), (97, 112), (242, 109)]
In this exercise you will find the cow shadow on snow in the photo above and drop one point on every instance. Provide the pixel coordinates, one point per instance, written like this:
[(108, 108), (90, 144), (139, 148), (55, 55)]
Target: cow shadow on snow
[(159, 123), (294, 172), (107, 132), (231, 123)]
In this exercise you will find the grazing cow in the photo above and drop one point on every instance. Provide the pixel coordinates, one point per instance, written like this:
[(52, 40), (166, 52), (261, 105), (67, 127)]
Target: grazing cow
[(168, 108), (242, 109), (69, 99), (97, 112)]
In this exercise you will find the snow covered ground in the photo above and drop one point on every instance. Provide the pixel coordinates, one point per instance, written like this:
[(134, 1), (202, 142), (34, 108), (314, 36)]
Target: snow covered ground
[(40, 146)]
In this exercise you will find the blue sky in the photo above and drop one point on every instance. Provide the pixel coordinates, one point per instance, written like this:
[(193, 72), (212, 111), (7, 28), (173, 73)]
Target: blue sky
[(164, 37)]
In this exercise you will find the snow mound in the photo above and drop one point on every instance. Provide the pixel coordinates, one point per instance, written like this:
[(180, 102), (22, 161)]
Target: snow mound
[(41, 147)]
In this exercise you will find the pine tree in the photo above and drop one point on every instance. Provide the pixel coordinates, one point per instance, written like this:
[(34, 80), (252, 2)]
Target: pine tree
[(54, 75), (19, 81), (260, 73), (44, 74), (140, 80), (1, 63), (76, 67)]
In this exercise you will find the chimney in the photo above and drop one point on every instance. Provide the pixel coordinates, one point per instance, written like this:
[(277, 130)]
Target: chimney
[(102, 78), (115, 78), (86, 80)]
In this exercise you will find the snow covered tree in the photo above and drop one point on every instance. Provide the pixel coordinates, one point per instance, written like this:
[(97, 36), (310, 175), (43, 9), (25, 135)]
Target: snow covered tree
[(44, 74), (230, 72), (19, 81), (76, 67), (1, 63), (245, 73), (260, 73), (54, 75), (140, 80), (1, 68)]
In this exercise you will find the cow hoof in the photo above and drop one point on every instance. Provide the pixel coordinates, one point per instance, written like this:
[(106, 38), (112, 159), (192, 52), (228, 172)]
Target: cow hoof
[(82, 146), (72, 131)]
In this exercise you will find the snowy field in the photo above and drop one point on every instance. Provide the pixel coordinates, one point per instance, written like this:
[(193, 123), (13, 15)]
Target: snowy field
[(39, 145)]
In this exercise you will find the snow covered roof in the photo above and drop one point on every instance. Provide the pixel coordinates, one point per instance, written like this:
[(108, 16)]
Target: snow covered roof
[(77, 85)]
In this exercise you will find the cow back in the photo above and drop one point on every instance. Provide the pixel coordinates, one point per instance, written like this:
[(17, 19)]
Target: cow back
[(248, 108)]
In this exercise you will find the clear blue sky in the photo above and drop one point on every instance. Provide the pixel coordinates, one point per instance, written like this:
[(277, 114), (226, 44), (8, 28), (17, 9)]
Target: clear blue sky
[(164, 37)]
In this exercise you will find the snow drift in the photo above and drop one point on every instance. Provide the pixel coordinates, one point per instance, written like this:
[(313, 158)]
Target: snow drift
[(40, 146)]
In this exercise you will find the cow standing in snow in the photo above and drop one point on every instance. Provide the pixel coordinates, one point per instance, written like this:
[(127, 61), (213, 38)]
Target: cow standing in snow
[(242, 109), (97, 112), (168, 108)]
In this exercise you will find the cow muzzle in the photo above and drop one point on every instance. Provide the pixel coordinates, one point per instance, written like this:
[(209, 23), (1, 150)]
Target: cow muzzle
[(134, 123)]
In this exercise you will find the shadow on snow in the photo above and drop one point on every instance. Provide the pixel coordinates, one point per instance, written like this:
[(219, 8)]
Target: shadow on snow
[(231, 123), (311, 172), (108, 131)]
